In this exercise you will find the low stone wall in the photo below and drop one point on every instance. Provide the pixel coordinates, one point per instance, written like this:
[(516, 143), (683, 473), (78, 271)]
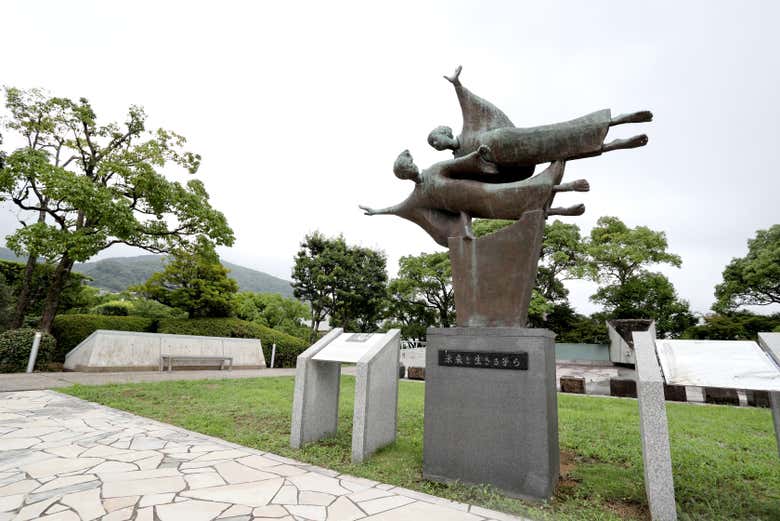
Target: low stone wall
[(106, 350)]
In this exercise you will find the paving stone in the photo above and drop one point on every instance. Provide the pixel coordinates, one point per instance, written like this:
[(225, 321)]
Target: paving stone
[(114, 466), (238, 510), (344, 510), (145, 514), (236, 473), (314, 513), (155, 499), (149, 463), (11, 502), (145, 443), (423, 511), (203, 480), (132, 475), (286, 470), (190, 511), (492, 514), (59, 483), (87, 504), (56, 507), (367, 494), (120, 502), (258, 462), (34, 510), (319, 483), (374, 506), (20, 487), (222, 455), (307, 497), (272, 511), (66, 451), (18, 443), (287, 495), (142, 487), (58, 466), (119, 515), (255, 494), (61, 516)]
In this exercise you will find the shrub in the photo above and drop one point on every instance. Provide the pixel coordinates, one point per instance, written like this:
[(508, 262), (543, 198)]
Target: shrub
[(287, 347), (70, 330), (15, 346), (113, 308)]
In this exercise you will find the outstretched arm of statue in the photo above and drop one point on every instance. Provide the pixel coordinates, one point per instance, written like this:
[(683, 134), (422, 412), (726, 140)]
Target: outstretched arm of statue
[(390, 210), (477, 162), (580, 185), (455, 78)]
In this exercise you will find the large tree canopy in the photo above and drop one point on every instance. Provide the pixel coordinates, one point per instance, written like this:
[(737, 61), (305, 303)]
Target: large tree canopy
[(88, 185), (194, 281), (344, 282), (753, 280)]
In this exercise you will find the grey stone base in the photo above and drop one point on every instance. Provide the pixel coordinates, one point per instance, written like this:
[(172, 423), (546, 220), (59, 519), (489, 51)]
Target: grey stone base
[(140, 368), (494, 426)]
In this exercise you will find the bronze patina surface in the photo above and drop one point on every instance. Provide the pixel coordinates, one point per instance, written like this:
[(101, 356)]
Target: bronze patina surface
[(491, 177)]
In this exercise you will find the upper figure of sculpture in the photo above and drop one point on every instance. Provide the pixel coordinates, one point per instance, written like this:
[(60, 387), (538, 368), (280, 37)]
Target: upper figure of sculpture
[(489, 175), (516, 151)]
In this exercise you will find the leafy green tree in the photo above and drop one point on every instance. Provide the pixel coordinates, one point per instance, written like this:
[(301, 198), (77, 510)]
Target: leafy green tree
[(194, 281), (741, 325), (647, 295), (618, 258), (273, 310), (422, 294), (343, 282), (75, 294), (92, 185), (617, 252), (753, 280)]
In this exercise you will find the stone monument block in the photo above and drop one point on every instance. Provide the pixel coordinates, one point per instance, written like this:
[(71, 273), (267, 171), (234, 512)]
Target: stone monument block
[(659, 482), (622, 387), (573, 384), (317, 379), (770, 343), (721, 396), (491, 409)]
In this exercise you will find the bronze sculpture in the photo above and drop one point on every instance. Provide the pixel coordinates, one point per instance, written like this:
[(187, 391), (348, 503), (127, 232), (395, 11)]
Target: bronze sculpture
[(491, 176)]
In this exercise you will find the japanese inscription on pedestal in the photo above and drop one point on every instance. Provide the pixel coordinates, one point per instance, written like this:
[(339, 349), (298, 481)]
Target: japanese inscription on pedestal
[(515, 361)]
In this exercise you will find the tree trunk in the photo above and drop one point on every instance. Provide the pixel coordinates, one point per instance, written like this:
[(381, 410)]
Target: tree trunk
[(58, 280), (23, 300)]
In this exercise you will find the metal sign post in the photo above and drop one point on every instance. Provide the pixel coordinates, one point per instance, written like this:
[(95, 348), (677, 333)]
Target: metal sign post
[(34, 352)]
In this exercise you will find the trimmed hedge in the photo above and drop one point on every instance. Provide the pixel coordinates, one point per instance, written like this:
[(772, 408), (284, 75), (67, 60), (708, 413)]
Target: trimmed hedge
[(15, 346), (70, 330), (287, 347)]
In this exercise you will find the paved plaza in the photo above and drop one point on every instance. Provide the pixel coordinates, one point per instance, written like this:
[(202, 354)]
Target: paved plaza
[(65, 459)]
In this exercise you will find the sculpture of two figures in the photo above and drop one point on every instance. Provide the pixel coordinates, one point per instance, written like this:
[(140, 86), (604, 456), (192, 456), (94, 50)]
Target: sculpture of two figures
[(491, 177)]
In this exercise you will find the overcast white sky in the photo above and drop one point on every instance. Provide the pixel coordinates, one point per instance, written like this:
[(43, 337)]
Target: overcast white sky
[(299, 109)]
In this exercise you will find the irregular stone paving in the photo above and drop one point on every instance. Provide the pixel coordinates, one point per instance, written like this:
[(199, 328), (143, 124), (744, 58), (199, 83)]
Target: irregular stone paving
[(65, 459)]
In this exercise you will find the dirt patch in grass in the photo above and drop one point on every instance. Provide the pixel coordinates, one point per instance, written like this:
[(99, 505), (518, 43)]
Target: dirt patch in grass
[(568, 464), (628, 510)]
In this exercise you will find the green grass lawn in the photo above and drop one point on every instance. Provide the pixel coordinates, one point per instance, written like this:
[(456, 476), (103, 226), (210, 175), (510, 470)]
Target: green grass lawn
[(725, 459)]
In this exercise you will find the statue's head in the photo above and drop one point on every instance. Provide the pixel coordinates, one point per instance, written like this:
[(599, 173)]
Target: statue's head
[(404, 167), (441, 138)]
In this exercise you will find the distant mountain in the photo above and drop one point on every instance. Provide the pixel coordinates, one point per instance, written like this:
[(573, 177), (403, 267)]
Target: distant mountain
[(118, 273)]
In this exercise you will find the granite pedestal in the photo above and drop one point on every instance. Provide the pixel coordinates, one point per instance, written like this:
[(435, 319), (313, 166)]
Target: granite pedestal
[(491, 411)]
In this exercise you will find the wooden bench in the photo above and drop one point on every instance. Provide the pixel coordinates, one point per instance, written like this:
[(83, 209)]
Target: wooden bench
[(169, 360)]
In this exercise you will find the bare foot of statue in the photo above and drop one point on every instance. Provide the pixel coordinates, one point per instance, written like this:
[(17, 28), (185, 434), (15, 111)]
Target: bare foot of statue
[(632, 142), (367, 210), (580, 185), (643, 116), (577, 209), (455, 78)]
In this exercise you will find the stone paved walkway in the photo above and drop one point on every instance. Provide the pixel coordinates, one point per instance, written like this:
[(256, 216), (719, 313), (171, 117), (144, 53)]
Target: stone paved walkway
[(65, 459)]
